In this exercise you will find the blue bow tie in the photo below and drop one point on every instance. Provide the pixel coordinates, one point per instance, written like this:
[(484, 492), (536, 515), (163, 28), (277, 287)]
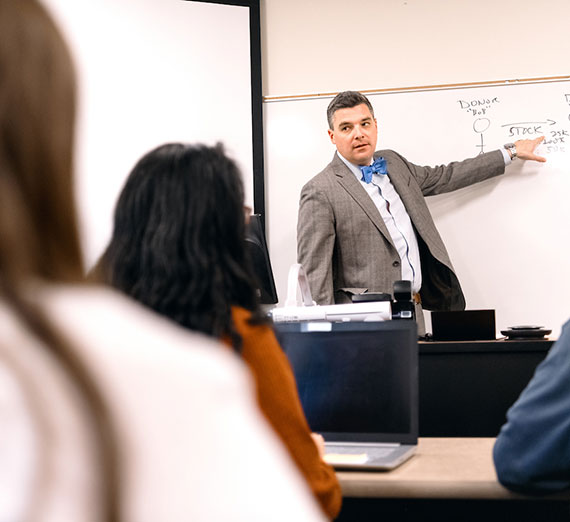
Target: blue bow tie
[(379, 166)]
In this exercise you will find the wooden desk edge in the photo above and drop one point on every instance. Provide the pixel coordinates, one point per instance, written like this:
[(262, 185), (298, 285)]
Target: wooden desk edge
[(443, 468)]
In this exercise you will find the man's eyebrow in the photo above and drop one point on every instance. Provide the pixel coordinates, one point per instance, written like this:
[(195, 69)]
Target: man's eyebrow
[(365, 119)]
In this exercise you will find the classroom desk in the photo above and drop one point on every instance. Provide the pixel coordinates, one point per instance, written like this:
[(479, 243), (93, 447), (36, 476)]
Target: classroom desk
[(466, 387), (447, 479)]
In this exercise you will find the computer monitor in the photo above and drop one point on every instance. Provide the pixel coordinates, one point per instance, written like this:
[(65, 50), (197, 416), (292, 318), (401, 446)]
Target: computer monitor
[(357, 381), (261, 264)]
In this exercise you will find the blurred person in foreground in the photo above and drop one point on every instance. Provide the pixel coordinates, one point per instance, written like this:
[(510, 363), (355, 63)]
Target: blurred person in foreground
[(532, 450), (107, 411), (178, 247)]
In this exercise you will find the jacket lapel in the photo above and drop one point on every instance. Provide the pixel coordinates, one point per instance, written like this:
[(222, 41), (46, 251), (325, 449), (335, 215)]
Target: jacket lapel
[(352, 186)]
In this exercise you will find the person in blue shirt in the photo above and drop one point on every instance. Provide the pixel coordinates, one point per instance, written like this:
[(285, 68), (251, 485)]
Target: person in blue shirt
[(532, 450)]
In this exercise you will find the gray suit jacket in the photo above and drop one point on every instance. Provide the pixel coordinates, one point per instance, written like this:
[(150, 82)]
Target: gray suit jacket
[(345, 247)]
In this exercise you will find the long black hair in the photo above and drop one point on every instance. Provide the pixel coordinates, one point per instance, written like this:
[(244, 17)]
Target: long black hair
[(178, 244)]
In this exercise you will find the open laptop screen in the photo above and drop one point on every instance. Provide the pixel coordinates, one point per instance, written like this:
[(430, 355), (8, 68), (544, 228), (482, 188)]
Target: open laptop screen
[(358, 381)]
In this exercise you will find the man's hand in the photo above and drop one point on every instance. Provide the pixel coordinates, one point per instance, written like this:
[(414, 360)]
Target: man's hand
[(525, 149)]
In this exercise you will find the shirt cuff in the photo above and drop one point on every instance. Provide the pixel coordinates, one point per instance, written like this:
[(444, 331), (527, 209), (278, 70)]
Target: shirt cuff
[(506, 156)]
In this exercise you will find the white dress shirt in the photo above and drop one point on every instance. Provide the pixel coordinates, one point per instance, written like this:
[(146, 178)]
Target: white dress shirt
[(397, 221)]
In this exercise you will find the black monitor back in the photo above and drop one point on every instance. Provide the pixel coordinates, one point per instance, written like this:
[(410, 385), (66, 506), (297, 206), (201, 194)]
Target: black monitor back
[(261, 264), (357, 381)]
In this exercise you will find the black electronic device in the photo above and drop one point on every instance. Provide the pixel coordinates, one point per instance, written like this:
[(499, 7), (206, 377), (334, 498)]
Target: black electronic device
[(402, 302), (368, 297), (358, 385), (260, 262), (526, 332), (463, 325)]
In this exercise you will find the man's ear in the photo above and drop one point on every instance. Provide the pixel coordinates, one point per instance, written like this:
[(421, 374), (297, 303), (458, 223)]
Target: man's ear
[(331, 136)]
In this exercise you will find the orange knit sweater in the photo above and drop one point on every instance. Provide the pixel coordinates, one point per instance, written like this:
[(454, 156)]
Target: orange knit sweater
[(278, 398)]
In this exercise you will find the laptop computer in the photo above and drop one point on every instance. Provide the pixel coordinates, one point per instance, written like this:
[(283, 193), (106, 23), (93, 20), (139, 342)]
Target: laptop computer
[(463, 325), (358, 384)]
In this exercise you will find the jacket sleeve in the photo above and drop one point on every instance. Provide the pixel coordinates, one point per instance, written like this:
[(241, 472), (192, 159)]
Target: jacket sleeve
[(458, 174), (532, 451), (280, 403), (315, 242)]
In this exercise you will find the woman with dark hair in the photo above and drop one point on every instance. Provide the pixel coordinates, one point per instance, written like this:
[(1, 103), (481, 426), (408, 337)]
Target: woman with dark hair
[(178, 247), (107, 412), (178, 239)]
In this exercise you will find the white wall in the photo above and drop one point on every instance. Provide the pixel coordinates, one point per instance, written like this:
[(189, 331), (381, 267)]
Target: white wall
[(318, 47), (312, 46), (152, 71)]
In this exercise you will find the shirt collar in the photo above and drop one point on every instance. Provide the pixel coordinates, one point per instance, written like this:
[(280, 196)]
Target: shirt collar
[(355, 169)]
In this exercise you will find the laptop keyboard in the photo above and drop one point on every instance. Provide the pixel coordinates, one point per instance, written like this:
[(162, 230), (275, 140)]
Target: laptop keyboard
[(371, 452)]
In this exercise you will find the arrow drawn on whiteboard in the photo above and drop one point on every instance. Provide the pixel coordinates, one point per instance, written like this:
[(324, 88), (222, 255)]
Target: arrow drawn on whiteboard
[(548, 121)]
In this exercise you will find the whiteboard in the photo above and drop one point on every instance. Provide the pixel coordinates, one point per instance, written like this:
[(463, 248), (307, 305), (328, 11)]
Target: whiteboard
[(507, 237)]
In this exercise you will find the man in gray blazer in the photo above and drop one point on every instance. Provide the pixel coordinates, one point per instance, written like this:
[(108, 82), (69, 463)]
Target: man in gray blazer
[(360, 230)]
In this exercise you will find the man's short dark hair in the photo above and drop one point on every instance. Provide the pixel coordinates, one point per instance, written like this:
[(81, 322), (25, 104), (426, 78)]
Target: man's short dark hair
[(346, 100)]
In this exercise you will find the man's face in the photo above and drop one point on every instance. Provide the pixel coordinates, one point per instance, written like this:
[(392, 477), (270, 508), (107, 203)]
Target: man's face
[(355, 133)]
